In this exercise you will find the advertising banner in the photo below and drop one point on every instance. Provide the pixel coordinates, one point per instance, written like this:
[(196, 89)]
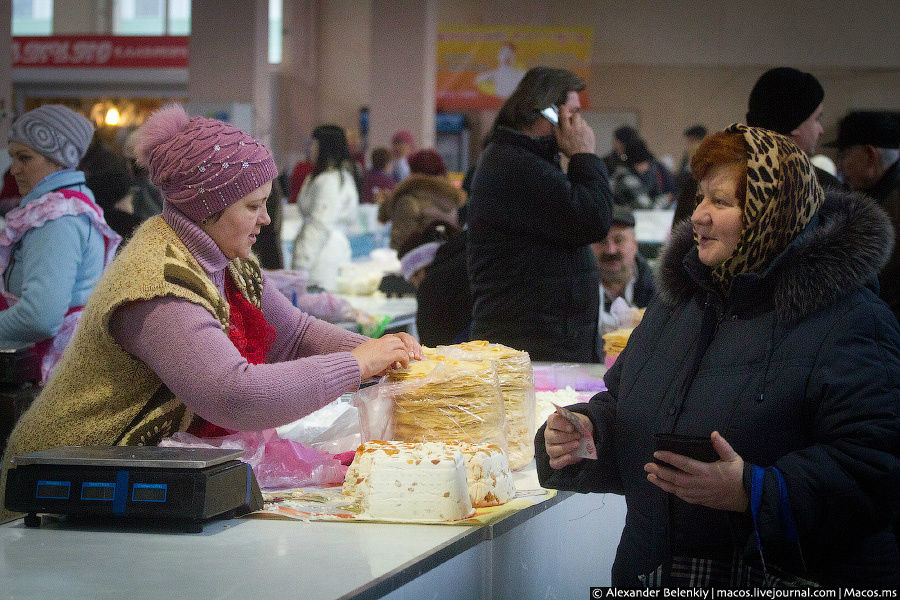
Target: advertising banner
[(478, 67)]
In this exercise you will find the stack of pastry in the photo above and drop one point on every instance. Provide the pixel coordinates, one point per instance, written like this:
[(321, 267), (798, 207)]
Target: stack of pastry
[(614, 341), (447, 401), (516, 386)]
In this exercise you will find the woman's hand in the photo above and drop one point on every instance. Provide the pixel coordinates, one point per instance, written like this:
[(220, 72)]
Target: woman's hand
[(716, 485), (391, 351), (561, 439)]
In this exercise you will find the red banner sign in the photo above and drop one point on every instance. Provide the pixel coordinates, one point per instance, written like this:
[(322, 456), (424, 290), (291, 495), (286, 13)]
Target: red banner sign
[(113, 51)]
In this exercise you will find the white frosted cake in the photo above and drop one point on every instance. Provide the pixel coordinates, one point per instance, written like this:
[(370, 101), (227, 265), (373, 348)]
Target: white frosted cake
[(487, 471), (409, 481), (399, 476)]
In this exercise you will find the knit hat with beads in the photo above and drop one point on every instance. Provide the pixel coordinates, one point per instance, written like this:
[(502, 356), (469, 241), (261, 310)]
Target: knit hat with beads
[(201, 165)]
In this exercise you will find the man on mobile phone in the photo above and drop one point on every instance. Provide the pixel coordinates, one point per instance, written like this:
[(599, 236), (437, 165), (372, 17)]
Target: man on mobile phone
[(533, 276)]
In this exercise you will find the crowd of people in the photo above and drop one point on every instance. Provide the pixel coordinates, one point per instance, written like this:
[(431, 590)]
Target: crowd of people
[(771, 328)]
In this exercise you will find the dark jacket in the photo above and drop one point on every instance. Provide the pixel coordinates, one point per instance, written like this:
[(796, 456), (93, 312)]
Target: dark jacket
[(887, 193), (644, 287), (444, 311), (534, 278), (828, 181), (799, 368)]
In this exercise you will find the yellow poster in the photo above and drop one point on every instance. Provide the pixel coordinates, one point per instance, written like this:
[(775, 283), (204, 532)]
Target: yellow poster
[(478, 67)]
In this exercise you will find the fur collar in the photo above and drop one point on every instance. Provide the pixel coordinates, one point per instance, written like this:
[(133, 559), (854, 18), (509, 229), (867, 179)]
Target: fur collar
[(844, 248)]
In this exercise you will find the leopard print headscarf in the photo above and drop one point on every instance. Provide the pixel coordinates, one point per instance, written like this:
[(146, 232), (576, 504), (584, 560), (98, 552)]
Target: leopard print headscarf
[(783, 194)]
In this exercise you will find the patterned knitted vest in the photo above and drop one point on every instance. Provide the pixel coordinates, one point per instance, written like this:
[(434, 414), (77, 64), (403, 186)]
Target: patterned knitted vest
[(100, 394)]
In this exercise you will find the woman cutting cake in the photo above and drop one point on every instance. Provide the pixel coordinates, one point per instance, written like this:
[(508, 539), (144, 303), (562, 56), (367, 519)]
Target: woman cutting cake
[(184, 332)]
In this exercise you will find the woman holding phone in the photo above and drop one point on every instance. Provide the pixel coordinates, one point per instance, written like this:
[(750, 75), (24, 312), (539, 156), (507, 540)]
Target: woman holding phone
[(767, 338)]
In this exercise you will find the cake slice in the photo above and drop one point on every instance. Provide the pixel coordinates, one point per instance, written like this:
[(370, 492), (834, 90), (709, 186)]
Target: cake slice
[(486, 468), (488, 475), (409, 482)]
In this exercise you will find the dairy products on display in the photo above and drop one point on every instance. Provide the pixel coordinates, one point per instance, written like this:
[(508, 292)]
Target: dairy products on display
[(428, 481)]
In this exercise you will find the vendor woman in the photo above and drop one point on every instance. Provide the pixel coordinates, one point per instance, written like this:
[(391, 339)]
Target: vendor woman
[(56, 243), (184, 332)]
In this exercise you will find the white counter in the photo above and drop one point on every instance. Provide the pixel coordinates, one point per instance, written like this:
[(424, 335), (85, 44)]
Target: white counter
[(556, 549)]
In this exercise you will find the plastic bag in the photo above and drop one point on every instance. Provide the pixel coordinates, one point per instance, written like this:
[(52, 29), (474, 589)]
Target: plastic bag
[(277, 463), (290, 282), (333, 428), (436, 401), (516, 386), (327, 307)]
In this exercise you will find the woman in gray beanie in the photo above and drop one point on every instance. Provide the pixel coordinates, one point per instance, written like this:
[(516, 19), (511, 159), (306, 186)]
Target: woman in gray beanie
[(56, 242)]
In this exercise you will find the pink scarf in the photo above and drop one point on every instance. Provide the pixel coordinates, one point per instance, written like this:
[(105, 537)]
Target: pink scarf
[(19, 221)]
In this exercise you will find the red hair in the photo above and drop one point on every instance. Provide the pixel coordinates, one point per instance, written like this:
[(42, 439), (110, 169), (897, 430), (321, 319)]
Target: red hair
[(720, 149)]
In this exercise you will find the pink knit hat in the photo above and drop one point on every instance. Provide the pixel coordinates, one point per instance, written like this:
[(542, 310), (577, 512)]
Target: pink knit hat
[(201, 165)]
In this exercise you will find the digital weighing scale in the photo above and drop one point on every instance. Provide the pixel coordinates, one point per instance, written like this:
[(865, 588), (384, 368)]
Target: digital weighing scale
[(181, 486)]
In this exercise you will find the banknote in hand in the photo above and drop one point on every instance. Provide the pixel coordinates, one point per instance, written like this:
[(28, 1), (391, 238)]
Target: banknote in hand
[(586, 448)]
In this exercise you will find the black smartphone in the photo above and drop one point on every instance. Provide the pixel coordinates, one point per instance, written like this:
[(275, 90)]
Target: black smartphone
[(692, 446)]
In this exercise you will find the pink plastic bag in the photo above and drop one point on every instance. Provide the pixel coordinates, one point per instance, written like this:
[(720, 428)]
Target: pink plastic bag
[(277, 463)]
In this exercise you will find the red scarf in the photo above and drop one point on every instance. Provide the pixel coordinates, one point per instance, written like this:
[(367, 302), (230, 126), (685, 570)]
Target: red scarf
[(250, 334)]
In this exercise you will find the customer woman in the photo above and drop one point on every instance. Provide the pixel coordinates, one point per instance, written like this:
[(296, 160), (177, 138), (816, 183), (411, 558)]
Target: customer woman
[(767, 338), (184, 332), (56, 242), (329, 202)]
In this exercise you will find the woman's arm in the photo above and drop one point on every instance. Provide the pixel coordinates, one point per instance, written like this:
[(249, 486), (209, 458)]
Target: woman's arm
[(599, 475), (186, 347), (297, 333), (847, 482), (51, 255)]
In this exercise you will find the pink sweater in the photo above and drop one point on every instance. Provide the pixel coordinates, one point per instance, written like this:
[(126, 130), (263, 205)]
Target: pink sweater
[(309, 365)]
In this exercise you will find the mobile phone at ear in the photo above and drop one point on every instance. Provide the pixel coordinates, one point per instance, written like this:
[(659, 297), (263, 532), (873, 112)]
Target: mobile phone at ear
[(551, 113)]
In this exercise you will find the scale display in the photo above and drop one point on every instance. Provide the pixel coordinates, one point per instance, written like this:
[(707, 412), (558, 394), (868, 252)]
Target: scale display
[(183, 485)]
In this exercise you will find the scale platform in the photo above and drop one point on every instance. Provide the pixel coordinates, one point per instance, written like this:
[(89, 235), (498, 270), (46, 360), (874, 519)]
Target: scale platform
[(178, 486)]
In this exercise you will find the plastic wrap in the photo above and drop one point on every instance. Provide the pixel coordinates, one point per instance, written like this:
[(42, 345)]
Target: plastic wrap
[(516, 386), (277, 463), (334, 428), (436, 401)]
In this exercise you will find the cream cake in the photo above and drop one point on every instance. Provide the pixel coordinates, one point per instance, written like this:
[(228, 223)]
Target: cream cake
[(487, 472), (409, 482), (486, 475)]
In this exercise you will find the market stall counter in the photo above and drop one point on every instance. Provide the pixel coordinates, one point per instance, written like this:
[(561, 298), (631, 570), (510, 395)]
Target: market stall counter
[(546, 545), (557, 548)]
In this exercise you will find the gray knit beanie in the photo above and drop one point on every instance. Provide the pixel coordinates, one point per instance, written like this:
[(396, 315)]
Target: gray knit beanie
[(54, 131)]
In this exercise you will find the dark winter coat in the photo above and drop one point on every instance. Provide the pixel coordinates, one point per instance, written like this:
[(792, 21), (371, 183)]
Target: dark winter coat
[(798, 368), (644, 286), (444, 311), (887, 193), (533, 277)]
